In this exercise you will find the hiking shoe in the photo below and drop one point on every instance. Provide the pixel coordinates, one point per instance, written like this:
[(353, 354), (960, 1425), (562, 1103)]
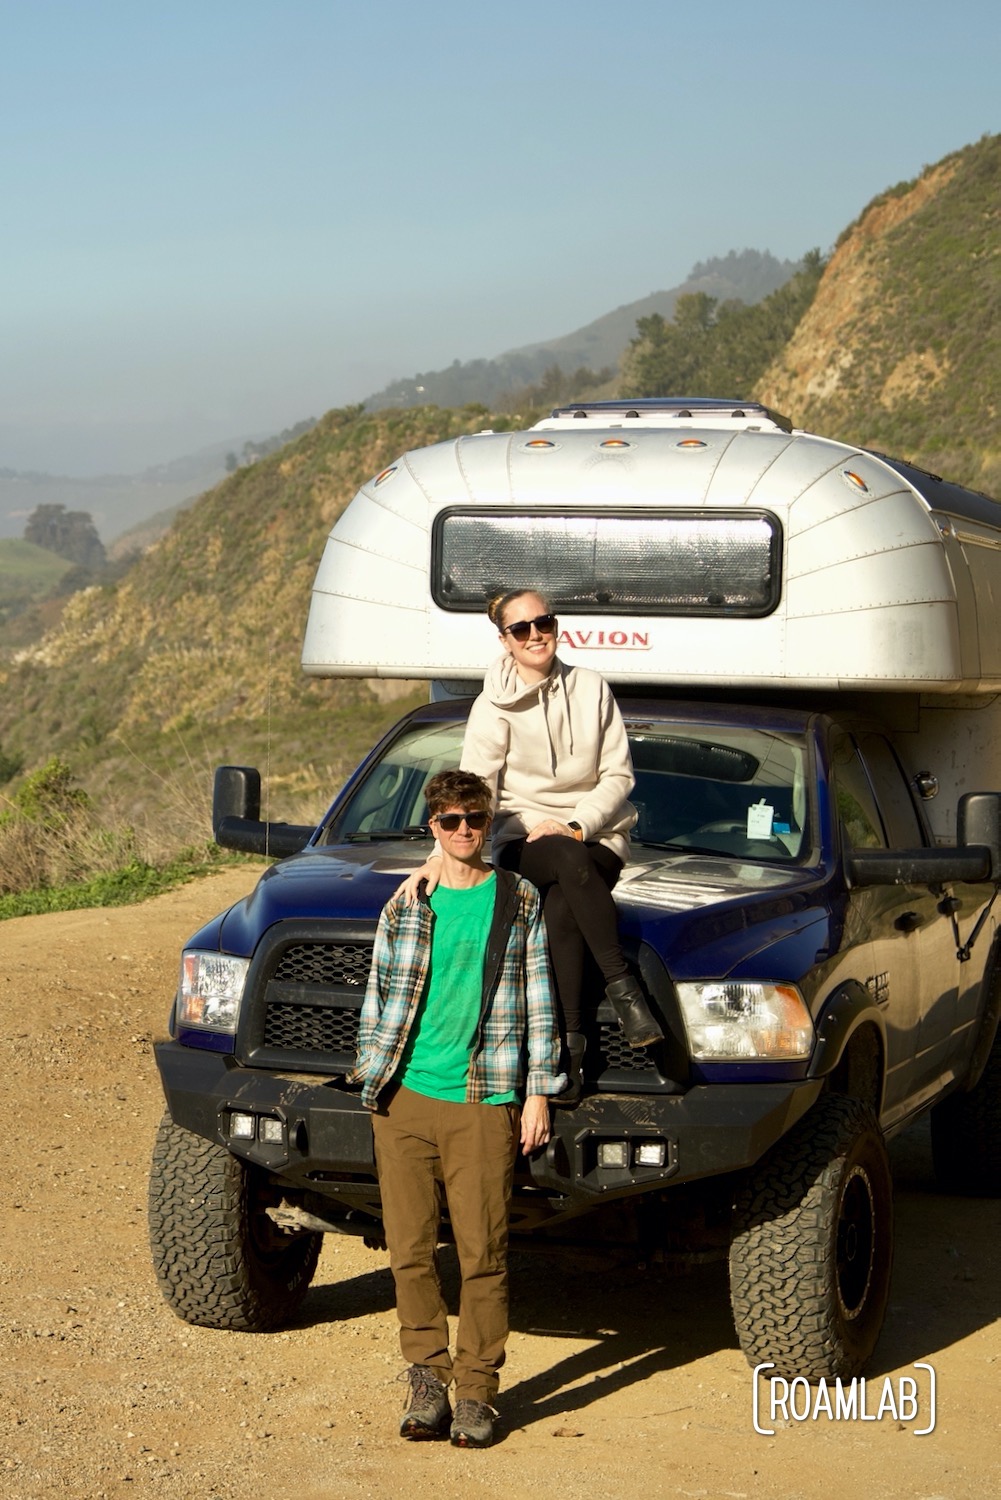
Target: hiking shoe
[(428, 1413), (472, 1425)]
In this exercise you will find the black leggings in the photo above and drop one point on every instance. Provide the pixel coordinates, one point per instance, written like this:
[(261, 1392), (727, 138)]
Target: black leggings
[(576, 882)]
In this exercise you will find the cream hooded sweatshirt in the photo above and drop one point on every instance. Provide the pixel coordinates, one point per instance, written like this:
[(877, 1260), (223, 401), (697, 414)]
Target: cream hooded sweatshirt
[(552, 749)]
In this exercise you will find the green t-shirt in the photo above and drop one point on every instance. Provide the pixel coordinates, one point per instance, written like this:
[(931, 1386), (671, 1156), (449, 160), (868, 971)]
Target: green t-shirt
[(436, 1058)]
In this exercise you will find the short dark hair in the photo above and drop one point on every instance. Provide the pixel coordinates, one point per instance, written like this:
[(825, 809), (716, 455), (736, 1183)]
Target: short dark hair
[(457, 789)]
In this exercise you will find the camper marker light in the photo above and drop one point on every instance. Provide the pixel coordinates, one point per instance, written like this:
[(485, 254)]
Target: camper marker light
[(539, 443), (615, 443), (856, 479), (211, 990), (381, 478), (691, 443), (735, 1021)]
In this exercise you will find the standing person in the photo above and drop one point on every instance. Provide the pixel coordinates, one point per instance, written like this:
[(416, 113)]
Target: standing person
[(549, 741), (458, 1020)]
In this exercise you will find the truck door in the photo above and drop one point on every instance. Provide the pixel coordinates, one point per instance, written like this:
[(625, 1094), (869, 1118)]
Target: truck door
[(907, 931), (939, 971)]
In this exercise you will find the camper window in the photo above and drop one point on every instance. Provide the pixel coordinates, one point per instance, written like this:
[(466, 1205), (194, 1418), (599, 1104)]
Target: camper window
[(649, 562)]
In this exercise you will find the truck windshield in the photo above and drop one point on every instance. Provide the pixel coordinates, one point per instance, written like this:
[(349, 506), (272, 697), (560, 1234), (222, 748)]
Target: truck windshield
[(719, 789), (724, 790)]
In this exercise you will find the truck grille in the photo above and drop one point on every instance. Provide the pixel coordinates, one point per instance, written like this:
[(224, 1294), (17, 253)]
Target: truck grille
[(308, 997), (326, 964), (309, 1007), (311, 1028), (617, 1053)]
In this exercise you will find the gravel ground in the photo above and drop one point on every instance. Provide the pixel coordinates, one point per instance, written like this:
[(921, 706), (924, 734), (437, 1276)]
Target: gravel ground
[(618, 1382)]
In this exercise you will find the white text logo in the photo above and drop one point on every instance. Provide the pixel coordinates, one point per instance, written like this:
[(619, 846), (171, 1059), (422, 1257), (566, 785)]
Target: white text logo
[(904, 1398)]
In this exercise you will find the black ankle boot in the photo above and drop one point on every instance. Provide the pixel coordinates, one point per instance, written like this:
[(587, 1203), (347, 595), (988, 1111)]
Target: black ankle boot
[(574, 1058), (634, 1014)]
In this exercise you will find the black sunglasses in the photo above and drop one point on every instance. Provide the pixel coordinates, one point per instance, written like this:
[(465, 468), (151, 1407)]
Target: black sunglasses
[(522, 629), (450, 821)]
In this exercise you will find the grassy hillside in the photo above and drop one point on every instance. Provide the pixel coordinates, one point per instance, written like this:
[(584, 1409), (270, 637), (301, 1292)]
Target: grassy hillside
[(27, 573), (193, 657), (901, 348)]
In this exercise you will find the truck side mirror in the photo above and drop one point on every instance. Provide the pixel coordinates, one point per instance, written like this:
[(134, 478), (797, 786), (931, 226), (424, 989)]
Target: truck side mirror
[(978, 820), (976, 859), (236, 817), (236, 793)]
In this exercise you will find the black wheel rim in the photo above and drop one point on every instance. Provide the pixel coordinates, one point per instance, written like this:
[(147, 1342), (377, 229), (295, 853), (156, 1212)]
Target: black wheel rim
[(856, 1242)]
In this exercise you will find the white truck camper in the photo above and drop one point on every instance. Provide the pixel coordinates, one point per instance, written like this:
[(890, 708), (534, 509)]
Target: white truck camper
[(804, 641), (691, 545)]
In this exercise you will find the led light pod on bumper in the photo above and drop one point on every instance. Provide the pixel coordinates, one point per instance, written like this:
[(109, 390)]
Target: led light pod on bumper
[(211, 990), (731, 1020)]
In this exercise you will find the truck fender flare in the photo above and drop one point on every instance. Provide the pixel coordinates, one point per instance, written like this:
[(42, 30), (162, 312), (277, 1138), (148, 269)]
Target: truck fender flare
[(850, 1006)]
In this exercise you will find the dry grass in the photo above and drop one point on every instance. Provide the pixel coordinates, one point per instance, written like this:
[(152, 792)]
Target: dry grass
[(53, 836)]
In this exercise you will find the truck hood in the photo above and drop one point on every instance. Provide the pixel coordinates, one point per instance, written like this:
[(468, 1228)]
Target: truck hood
[(712, 917), (682, 882), (673, 894), (352, 882)]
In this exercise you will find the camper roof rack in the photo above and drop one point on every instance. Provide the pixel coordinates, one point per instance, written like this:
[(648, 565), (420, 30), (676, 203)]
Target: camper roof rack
[(660, 411)]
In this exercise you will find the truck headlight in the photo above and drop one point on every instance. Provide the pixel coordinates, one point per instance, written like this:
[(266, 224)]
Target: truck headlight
[(740, 1019), (211, 990)]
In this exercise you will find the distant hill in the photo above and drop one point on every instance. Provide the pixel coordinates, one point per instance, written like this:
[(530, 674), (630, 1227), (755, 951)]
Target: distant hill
[(114, 501), (130, 511), (746, 275)]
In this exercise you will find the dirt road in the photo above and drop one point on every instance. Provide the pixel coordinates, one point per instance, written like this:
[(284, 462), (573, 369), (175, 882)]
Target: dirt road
[(618, 1383)]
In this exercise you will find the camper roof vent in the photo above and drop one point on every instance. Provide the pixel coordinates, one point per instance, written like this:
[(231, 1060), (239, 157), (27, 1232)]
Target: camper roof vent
[(668, 411)]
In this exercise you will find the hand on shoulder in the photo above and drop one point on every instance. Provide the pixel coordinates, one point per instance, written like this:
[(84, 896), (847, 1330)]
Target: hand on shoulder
[(430, 871)]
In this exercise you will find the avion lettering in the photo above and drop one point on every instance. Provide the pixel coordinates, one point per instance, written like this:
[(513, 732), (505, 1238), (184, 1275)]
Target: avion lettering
[(598, 640)]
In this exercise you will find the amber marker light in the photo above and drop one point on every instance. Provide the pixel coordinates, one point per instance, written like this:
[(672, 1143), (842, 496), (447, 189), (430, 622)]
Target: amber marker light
[(856, 479), (381, 478), (691, 443)]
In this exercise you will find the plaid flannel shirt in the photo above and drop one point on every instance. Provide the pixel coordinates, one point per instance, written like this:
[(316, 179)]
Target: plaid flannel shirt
[(517, 1045)]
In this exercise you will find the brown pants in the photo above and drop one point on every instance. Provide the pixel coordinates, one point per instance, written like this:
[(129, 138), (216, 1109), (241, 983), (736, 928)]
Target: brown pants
[(421, 1146)]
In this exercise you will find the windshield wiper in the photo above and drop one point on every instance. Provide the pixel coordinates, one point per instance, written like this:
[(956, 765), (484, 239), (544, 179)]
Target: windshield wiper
[(415, 831)]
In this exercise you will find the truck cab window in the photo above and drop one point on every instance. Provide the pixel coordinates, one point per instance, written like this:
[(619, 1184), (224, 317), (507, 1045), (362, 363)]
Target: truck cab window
[(858, 814), (903, 824)]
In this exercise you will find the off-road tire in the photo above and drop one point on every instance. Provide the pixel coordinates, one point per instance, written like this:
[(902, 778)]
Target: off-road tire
[(812, 1245), (966, 1135), (219, 1259)]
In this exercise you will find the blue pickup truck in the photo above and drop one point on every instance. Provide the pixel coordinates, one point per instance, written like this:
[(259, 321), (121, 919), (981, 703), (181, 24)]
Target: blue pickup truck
[(811, 1005), (821, 953)]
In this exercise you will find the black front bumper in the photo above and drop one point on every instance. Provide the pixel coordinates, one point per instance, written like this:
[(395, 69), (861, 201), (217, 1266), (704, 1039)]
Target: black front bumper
[(324, 1135)]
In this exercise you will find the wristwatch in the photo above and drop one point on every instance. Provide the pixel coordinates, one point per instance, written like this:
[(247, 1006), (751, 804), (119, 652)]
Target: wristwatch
[(578, 831)]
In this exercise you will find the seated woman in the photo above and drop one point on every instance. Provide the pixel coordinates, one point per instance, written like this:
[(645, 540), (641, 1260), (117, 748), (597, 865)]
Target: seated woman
[(549, 741)]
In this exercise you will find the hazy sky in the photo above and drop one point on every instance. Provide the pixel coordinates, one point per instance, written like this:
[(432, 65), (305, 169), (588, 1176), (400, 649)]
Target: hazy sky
[(221, 217)]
